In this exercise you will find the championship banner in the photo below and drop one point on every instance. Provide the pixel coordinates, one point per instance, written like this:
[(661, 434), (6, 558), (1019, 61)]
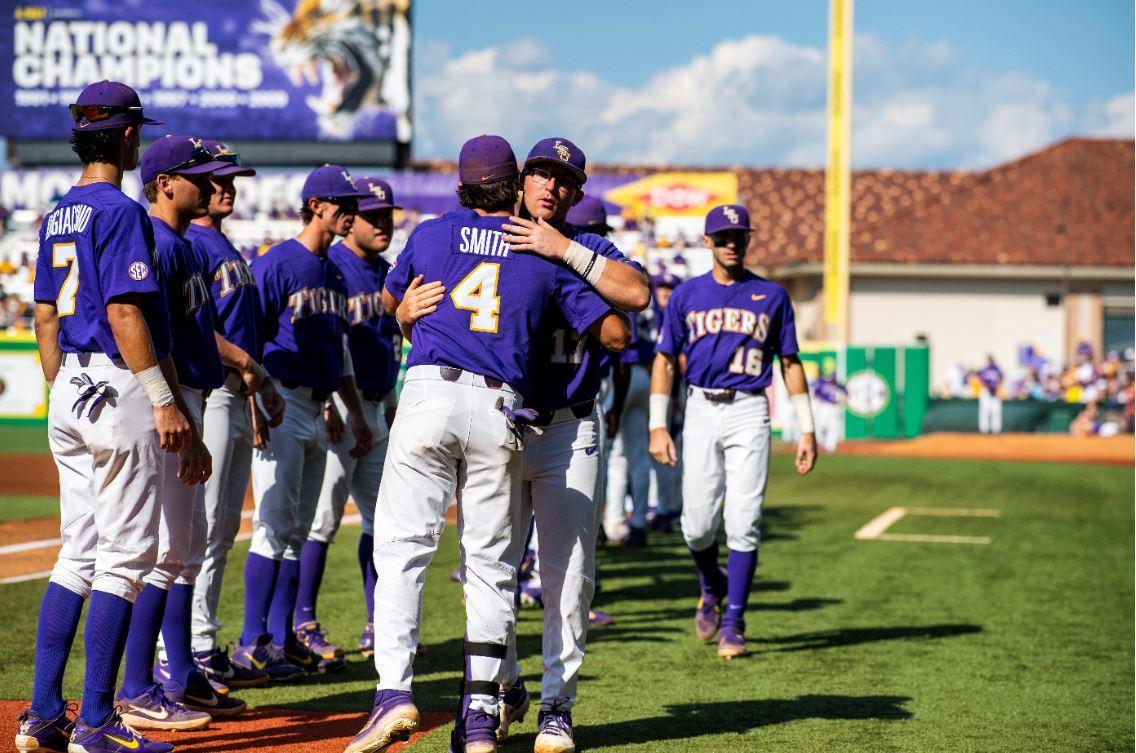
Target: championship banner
[(230, 69)]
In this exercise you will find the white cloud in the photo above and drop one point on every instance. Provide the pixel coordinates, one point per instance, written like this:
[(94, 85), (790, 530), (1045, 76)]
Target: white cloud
[(756, 100)]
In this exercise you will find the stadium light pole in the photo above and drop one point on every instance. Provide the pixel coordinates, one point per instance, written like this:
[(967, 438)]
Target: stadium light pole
[(837, 178)]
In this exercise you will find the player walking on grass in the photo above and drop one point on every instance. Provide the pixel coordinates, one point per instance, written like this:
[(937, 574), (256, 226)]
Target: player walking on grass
[(563, 462), (228, 424), (103, 335), (459, 429), (304, 307), (376, 350), (728, 323)]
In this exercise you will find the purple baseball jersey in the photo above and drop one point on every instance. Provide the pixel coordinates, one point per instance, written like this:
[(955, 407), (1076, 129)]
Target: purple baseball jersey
[(373, 337), (571, 360), (729, 333), (98, 244), (497, 303), (991, 378), (303, 301), (826, 390), (236, 302), (191, 317)]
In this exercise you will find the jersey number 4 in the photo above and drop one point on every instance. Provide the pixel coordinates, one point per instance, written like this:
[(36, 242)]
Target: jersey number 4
[(477, 292), (63, 255), (746, 361)]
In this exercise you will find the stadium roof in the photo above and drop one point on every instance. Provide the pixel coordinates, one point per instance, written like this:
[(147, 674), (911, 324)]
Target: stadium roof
[(1070, 204)]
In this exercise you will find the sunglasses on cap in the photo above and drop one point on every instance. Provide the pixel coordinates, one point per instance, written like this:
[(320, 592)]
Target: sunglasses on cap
[(226, 155), (540, 178), (95, 113)]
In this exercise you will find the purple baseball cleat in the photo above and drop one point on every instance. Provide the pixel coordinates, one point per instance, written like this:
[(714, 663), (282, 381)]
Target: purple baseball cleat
[(555, 734), (598, 619), (394, 718), (113, 737), (707, 618), (154, 710), (476, 732), (198, 695), (161, 675), (217, 668), (309, 661), (312, 635), (512, 705), (265, 657), (38, 734), (367, 641), (731, 642)]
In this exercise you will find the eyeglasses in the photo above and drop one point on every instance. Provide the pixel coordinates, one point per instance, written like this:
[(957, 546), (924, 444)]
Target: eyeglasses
[(540, 178), (347, 204), (95, 113)]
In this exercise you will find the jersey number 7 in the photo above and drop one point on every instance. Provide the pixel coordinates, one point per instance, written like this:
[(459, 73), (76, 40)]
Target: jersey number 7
[(63, 255), (477, 292)]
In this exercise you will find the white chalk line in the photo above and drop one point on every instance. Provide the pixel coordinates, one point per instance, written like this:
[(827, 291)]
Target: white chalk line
[(876, 528)]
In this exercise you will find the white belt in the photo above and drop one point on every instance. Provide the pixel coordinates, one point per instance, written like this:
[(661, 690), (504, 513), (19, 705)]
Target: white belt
[(84, 360)]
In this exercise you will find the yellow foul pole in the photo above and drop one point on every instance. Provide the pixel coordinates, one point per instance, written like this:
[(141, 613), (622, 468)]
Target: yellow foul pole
[(838, 181)]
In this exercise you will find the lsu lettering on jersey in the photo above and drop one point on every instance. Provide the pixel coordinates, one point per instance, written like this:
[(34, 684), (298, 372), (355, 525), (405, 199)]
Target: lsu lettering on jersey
[(236, 302), (191, 315), (373, 337), (497, 303), (570, 360), (729, 333), (304, 304), (96, 245)]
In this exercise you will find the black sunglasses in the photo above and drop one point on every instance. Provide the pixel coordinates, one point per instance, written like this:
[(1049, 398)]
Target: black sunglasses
[(95, 113)]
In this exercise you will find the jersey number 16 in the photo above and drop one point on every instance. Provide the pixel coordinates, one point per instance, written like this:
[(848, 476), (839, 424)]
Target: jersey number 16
[(746, 361)]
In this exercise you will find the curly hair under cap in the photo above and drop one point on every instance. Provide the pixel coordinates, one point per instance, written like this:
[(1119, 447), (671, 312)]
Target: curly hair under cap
[(500, 196)]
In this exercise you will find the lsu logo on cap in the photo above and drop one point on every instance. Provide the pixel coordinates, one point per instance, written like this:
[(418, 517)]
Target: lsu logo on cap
[(138, 271), (731, 214), (348, 178), (379, 192), (561, 151)]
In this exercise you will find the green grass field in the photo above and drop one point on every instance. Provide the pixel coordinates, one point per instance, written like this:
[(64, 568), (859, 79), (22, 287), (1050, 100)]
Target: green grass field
[(1022, 645)]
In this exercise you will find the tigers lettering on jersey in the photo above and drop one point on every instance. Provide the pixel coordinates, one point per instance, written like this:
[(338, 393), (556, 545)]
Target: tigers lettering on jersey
[(194, 292), (713, 321), (309, 301), (364, 307), (233, 274)]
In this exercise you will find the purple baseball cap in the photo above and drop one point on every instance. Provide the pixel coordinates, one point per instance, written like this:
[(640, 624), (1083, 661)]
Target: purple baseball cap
[(224, 154), (560, 151), (727, 217), (486, 159), (590, 214), (177, 155), (665, 280), (379, 194), (108, 104), (331, 182)]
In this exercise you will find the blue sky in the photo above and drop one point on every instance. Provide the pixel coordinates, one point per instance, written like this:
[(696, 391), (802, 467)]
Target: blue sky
[(957, 84)]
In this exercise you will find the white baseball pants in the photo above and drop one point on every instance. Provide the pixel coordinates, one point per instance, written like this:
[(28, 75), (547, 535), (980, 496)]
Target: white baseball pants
[(630, 460), (989, 413)]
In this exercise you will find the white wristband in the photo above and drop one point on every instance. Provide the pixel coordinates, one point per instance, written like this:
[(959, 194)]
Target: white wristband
[(585, 262), (156, 386), (657, 415), (804, 408)]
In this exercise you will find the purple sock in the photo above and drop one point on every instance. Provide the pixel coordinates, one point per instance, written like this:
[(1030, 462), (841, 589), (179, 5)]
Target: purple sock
[(260, 582), (367, 569), (176, 632), (709, 573), (284, 601), (58, 620), (108, 621), (740, 567), (145, 622), (313, 558)]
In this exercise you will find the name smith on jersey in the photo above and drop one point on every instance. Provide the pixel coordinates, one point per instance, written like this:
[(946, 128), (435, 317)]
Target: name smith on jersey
[(482, 241)]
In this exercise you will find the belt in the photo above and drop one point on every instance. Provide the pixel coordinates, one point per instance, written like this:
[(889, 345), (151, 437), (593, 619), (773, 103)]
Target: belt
[(317, 395), (374, 396), (722, 396), (454, 374), (91, 359), (579, 410)]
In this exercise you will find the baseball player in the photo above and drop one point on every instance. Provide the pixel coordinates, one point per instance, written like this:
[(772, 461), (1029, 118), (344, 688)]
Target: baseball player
[(728, 323), (563, 462), (228, 425), (666, 481), (376, 350), (829, 394), (989, 401), (458, 429), (104, 336), (304, 308)]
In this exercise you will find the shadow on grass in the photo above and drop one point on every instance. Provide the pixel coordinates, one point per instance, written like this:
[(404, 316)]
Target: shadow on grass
[(855, 636), (691, 720)]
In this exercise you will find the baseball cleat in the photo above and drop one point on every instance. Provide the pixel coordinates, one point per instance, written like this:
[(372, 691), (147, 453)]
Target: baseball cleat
[(367, 641), (597, 619), (198, 695), (476, 732), (529, 594), (512, 705), (394, 718), (36, 734), (113, 737), (217, 668), (311, 635), (265, 657), (707, 618), (456, 575), (162, 675), (153, 710), (731, 643), (304, 658), (636, 537), (555, 733)]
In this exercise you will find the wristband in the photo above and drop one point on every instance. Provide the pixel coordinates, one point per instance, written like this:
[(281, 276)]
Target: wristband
[(585, 262), (804, 408), (157, 389), (657, 417)]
